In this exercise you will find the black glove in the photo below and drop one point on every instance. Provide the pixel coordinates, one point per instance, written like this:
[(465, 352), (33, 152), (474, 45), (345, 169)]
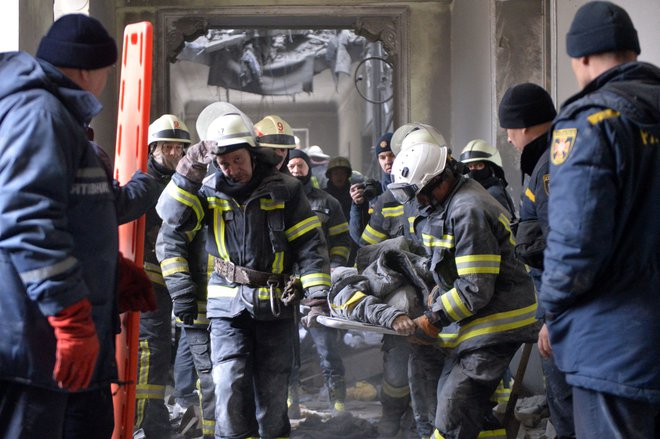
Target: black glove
[(185, 308), (195, 163)]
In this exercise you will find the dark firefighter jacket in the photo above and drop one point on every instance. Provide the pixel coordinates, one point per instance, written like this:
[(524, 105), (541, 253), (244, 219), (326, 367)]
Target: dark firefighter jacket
[(153, 223), (602, 264), (271, 231), (186, 267), (333, 221), (483, 287)]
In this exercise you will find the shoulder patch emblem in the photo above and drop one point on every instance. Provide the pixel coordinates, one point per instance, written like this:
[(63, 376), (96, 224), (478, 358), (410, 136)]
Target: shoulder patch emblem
[(562, 144)]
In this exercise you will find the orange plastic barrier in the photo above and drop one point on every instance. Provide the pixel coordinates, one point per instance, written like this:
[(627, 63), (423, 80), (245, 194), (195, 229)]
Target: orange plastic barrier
[(130, 155)]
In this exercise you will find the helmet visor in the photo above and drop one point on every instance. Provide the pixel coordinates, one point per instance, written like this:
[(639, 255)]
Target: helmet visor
[(403, 192)]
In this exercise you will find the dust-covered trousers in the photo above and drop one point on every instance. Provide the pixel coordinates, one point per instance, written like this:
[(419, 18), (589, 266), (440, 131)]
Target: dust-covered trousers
[(424, 370), (326, 341), (194, 352), (154, 360), (251, 366), (465, 388), (395, 394)]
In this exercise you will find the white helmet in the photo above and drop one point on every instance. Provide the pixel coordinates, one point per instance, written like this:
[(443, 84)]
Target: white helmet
[(210, 124), (414, 167), (479, 150), (168, 128), (413, 133), (274, 132)]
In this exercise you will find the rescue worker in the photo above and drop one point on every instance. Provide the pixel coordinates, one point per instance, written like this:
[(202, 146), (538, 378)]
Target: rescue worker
[(372, 220), (319, 161), (405, 376), (526, 112), (335, 230), (339, 174), (186, 267), (259, 224), (58, 239), (481, 287), (600, 280), (275, 133), (484, 163), (167, 138)]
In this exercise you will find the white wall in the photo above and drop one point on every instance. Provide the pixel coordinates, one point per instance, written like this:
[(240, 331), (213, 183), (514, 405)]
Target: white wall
[(645, 15)]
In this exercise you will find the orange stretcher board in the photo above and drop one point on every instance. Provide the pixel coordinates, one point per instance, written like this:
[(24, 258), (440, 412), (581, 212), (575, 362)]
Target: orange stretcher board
[(131, 155)]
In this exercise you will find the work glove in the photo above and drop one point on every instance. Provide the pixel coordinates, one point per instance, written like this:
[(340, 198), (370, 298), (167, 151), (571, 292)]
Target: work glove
[(317, 307), (194, 164), (77, 346), (426, 333), (134, 291), (185, 308)]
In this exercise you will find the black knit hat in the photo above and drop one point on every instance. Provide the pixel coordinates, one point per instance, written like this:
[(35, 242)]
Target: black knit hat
[(383, 144), (78, 41), (300, 154), (601, 27), (525, 105)]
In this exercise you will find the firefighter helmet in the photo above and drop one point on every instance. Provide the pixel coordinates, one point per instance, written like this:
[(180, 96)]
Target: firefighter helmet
[(413, 133), (414, 167), (168, 128), (274, 132), (479, 150)]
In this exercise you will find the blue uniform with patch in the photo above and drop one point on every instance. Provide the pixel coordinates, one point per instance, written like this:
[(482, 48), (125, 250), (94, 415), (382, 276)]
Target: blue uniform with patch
[(600, 284)]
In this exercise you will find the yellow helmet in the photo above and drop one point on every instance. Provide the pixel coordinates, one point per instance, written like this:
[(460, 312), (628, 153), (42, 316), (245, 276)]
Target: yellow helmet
[(168, 128), (274, 132), (479, 150)]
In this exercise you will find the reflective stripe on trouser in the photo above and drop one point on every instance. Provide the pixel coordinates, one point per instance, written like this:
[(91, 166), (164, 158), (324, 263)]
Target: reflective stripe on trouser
[(396, 351), (199, 343), (326, 341), (465, 387), (154, 358), (251, 367), (424, 370)]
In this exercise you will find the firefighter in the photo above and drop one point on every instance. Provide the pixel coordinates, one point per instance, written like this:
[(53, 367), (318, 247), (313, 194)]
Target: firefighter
[(168, 137), (481, 287), (526, 112), (335, 229), (259, 224), (186, 266), (275, 133), (600, 280), (484, 163)]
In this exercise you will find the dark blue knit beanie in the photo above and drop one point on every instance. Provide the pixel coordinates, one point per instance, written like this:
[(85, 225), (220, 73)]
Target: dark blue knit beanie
[(78, 41), (600, 27), (525, 105), (383, 143)]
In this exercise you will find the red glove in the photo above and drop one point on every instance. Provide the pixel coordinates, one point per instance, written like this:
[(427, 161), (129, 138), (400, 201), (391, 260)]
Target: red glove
[(425, 333), (135, 292), (77, 346)]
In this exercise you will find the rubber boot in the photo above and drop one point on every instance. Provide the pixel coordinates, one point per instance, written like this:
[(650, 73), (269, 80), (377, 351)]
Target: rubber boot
[(393, 411)]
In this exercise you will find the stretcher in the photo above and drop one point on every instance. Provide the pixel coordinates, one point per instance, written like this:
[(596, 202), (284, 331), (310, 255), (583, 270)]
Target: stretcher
[(337, 323)]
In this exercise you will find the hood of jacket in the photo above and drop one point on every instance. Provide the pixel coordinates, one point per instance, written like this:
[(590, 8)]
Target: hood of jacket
[(21, 72)]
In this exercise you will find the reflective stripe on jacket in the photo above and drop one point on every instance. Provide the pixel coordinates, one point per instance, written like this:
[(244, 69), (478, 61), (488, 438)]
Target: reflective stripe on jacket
[(484, 289), (273, 230), (186, 267)]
